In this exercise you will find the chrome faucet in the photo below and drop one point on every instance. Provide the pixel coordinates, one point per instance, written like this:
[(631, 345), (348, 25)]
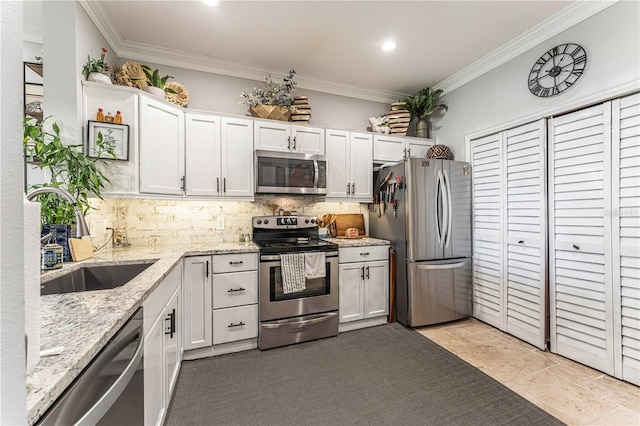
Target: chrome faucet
[(81, 225)]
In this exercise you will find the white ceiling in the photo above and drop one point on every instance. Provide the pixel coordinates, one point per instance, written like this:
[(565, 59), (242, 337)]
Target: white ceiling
[(334, 45)]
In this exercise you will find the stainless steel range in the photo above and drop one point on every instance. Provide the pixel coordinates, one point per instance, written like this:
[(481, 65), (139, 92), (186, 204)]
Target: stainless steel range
[(298, 281)]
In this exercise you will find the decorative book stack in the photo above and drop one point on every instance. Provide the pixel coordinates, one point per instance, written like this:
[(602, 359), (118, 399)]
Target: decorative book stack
[(399, 119), (301, 110)]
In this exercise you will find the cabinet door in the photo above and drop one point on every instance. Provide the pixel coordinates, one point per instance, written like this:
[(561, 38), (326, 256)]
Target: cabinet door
[(361, 165), (161, 147), (154, 384), (237, 158), (388, 149), (203, 154), (417, 148), (197, 302), (337, 144), (486, 155), (172, 342), (351, 291), (376, 298), (526, 242), (306, 139), (272, 135), (626, 247), (580, 230)]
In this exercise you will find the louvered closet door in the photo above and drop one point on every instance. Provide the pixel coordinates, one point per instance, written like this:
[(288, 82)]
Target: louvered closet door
[(486, 156), (626, 235), (580, 229), (525, 208)]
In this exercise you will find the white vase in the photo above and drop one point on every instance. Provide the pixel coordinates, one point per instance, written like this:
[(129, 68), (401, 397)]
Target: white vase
[(98, 77), (155, 91)]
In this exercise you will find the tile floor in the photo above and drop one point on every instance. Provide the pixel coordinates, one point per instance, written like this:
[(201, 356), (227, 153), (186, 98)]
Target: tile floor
[(573, 393)]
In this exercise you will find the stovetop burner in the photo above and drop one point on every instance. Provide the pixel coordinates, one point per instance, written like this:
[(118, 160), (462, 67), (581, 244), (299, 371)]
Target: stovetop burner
[(285, 234)]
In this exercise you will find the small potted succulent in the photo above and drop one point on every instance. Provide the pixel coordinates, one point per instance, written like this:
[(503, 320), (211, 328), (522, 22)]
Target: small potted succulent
[(272, 100), (97, 69), (421, 106), (155, 83)]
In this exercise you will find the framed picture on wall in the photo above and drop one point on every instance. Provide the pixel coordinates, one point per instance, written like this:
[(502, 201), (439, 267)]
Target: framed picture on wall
[(114, 135)]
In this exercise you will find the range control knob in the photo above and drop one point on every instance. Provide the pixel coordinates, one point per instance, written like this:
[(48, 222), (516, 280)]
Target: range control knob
[(313, 221), (259, 221), (306, 221), (266, 221)]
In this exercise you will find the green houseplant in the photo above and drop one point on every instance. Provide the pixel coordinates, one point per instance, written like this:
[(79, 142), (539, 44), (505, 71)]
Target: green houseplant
[(64, 166), (273, 99), (97, 69), (421, 106), (156, 84)]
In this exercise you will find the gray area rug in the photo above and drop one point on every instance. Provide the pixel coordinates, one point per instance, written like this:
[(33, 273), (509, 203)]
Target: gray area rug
[(385, 375)]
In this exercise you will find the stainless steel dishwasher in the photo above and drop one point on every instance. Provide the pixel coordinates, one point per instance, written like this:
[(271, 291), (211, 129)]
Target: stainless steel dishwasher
[(110, 390)]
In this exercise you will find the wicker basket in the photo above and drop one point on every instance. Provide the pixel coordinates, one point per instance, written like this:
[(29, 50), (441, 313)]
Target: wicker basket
[(272, 112)]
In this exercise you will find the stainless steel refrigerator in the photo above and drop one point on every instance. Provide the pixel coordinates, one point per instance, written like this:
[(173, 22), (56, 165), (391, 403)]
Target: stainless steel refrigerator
[(423, 206)]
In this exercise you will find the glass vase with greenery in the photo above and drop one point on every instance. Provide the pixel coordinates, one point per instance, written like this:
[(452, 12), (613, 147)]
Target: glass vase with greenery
[(64, 166)]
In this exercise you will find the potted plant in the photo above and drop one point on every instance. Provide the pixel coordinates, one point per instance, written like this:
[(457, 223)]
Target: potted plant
[(273, 99), (155, 83), (421, 106), (65, 166), (97, 69)]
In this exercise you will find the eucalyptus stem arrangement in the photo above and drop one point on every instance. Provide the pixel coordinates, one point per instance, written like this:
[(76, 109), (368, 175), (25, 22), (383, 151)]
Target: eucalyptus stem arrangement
[(272, 92), (67, 167)]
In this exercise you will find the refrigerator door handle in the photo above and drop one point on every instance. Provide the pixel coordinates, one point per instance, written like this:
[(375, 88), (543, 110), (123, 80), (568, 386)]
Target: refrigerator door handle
[(439, 201), (447, 182), (443, 266)]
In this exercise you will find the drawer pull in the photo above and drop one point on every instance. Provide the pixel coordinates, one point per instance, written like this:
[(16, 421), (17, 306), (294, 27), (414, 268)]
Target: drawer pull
[(521, 242), (233, 290), (240, 324), (366, 253), (576, 247), (237, 262)]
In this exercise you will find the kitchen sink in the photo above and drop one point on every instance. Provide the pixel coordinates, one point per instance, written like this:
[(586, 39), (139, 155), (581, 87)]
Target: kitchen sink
[(91, 278)]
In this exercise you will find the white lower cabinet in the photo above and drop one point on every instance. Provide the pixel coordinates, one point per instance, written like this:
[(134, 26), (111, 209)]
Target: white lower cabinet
[(220, 303), (162, 346), (364, 285)]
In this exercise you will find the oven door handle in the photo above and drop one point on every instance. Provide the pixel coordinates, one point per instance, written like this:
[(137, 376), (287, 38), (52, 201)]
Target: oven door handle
[(300, 324), (270, 257)]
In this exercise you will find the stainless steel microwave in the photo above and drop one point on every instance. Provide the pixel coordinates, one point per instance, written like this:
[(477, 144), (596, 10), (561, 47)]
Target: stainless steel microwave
[(290, 173)]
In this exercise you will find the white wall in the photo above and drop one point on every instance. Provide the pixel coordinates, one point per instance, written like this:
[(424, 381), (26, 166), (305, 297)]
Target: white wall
[(12, 354), (612, 41), (221, 94)]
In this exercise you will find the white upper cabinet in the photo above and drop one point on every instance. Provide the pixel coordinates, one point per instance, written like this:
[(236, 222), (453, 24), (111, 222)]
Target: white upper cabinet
[(219, 156), (393, 149), (350, 175), (161, 147), (276, 135)]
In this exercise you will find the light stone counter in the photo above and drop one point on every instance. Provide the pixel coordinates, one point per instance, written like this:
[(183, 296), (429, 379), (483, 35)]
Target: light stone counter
[(84, 322), (358, 242)]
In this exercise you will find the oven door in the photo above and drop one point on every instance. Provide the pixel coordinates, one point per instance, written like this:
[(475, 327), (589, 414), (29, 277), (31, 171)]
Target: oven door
[(320, 295)]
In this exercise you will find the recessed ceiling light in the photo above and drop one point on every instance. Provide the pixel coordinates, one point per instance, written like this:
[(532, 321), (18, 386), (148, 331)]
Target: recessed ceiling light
[(388, 45), (210, 2)]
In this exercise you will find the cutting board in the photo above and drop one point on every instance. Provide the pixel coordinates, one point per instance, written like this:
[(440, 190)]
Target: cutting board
[(345, 221), (81, 249)]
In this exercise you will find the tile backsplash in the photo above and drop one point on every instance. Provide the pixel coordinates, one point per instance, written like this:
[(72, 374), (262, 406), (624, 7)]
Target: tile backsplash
[(151, 222)]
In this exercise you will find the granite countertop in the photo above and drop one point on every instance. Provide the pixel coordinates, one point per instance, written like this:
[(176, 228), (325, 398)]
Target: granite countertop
[(82, 323), (358, 242)]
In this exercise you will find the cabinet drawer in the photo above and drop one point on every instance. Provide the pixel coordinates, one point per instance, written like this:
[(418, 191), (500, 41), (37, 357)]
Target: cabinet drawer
[(233, 324), (363, 254), (234, 262), (235, 289)]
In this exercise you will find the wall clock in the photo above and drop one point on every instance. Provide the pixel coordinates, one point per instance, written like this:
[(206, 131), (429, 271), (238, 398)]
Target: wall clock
[(557, 70)]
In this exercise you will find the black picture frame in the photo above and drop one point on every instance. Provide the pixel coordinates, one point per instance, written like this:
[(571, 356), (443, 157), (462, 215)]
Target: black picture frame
[(118, 132)]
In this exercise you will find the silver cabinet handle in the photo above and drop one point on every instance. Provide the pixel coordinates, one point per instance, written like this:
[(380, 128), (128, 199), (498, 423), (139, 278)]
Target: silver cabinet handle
[(236, 262), (240, 324), (294, 143), (348, 189), (233, 290), (353, 189), (362, 273), (183, 183), (365, 253), (576, 247), (521, 242), (288, 142), (218, 185), (224, 185), (367, 272)]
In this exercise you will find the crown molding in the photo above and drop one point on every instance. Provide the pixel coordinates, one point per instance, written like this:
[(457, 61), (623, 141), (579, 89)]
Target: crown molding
[(561, 21)]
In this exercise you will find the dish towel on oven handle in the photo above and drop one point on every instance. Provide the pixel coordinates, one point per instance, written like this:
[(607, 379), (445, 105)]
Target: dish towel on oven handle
[(292, 267), (314, 265)]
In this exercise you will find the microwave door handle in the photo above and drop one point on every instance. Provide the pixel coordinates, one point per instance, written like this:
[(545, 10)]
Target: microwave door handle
[(316, 170)]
